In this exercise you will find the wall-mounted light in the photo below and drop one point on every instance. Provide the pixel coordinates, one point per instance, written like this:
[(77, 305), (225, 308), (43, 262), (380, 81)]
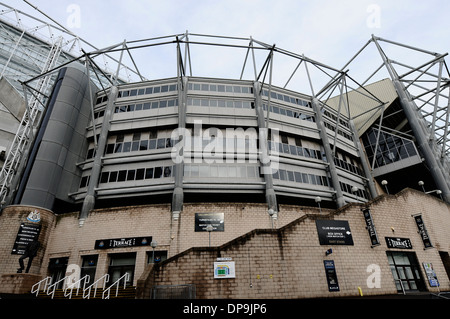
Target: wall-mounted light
[(421, 183), (318, 201), (384, 183), (328, 252)]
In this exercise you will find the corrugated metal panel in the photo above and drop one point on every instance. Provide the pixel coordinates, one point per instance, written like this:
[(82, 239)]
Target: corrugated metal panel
[(364, 108)]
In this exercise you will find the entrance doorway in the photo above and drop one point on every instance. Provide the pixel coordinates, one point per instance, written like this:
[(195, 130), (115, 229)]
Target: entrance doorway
[(57, 270), (406, 271), (88, 267), (446, 261), (119, 265)]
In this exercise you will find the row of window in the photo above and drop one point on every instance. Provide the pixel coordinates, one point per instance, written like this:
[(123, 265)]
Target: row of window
[(298, 177), (286, 98), (146, 106), (136, 174), (340, 132), (220, 88), (348, 166), (288, 112), (165, 88), (391, 148), (295, 150), (361, 193), (221, 103), (221, 171), (335, 118)]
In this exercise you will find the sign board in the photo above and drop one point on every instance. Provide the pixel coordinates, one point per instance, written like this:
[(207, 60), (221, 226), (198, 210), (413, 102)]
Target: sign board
[(401, 243), (330, 271), (224, 269), (370, 227), (423, 231), (122, 242), (28, 232), (202, 220), (334, 232), (431, 275)]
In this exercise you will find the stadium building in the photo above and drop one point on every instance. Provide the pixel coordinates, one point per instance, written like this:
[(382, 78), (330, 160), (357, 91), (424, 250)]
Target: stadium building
[(210, 186)]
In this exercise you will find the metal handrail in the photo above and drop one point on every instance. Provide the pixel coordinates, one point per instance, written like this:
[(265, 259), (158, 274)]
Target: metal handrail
[(126, 277), (105, 279), (76, 284), (53, 286), (38, 285)]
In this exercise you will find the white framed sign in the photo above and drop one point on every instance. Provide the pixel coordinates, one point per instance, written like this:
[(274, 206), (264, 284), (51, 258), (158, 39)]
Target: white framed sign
[(224, 269)]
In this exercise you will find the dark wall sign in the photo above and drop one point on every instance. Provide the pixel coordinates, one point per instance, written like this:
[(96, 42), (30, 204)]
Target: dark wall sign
[(370, 227), (330, 272), (423, 231), (401, 243), (27, 233), (334, 232), (202, 220), (122, 242)]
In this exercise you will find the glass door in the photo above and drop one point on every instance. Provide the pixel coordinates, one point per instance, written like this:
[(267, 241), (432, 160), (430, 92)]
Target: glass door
[(121, 264), (406, 271)]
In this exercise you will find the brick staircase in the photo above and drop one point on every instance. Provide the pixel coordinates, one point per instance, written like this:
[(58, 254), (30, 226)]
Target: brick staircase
[(123, 293)]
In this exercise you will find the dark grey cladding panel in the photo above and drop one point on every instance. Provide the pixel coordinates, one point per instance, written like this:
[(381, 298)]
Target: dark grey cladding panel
[(54, 171)]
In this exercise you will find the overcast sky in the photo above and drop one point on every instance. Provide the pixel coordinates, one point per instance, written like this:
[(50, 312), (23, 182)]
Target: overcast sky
[(329, 31)]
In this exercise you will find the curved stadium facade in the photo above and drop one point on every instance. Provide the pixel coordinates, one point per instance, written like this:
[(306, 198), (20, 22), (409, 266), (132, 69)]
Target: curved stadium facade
[(123, 178)]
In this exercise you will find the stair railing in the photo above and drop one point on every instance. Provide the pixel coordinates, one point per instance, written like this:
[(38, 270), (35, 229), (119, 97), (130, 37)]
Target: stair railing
[(37, 286), (69, 288), (87, 291), (51, 289), (126, 277)]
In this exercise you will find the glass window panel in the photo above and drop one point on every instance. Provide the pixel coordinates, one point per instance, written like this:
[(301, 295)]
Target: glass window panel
[(130, 175), (155, 105), (232, 171), (161, 143), (194, 171), (222, 171), (158, 172), (140, 174), (118, 148), (104, 177), (149, 173), (221, 103), (283, 175), (126, 147), (112, 177), (203, 171), (214, 171), (167, 171), (251, 173), (122, 176), (162, 104), (156, 89), (242, 172), (135, 146), (221, 88), (148, 90), (143, 145), (164, 88), (291, 176)]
